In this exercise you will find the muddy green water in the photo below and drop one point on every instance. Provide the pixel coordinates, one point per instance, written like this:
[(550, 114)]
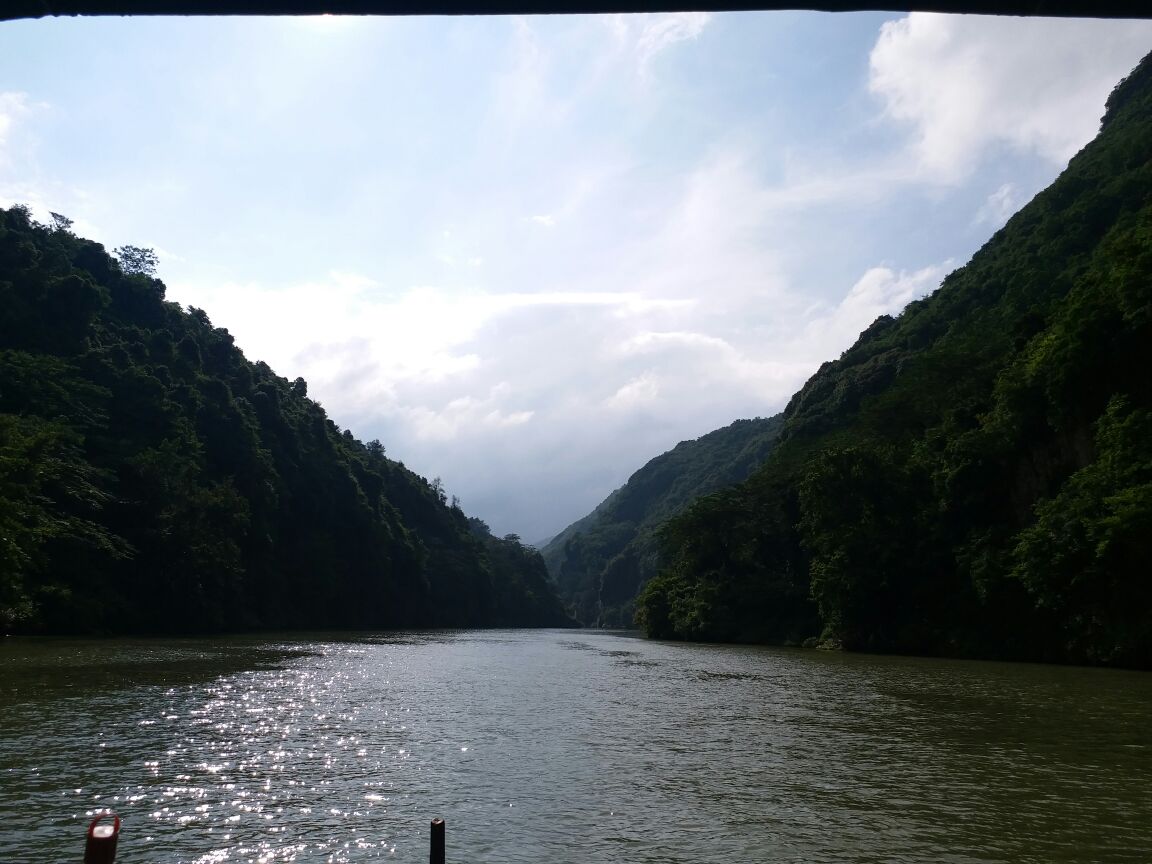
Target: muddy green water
[(561, 746)]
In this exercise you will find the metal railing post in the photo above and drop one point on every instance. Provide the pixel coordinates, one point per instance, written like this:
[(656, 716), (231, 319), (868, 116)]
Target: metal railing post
[(436, 850)]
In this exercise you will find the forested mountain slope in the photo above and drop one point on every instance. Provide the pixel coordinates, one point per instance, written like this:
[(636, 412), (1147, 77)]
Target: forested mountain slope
[(601, 562), (973, 477), (152, 479)]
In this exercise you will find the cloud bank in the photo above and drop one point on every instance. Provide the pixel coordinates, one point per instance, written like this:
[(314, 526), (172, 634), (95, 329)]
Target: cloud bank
[(965, 84)]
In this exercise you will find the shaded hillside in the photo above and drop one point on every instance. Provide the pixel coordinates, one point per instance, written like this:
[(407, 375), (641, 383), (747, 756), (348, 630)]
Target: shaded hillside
[(152, 479), (601, 562), (974, 476)]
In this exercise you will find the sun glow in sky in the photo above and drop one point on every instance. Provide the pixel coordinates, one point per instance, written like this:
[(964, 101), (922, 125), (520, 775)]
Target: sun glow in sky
[(529, 254)]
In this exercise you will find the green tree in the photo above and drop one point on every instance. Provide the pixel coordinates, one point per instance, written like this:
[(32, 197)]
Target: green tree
[(137, 259), (61, 223)]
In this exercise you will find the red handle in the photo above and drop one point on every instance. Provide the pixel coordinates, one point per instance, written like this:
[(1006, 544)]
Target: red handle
[(100, 847)]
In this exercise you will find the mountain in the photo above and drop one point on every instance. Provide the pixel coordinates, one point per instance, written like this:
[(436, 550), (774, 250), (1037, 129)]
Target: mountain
[(974, 476), (153, 480), (601, 562)]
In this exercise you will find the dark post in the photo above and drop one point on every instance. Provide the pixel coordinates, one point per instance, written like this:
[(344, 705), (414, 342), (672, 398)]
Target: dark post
[(100, 847), (436, 854)]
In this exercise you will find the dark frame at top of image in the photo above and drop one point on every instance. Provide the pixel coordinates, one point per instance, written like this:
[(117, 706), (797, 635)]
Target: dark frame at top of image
[(12, 9)]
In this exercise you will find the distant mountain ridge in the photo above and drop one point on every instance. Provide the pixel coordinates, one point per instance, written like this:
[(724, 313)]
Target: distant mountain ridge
[(974, 476), (601, 562), (153, 480)]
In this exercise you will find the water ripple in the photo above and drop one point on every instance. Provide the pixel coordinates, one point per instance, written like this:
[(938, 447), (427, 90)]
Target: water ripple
[(537, 746)]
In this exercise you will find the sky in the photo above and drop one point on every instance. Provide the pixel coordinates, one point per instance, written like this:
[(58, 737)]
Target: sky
[(531, 253)]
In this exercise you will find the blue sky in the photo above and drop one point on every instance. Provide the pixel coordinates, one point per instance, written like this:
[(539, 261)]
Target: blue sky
[(529, 254)]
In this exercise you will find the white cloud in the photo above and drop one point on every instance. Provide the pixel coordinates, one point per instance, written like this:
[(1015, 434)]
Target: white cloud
[(766, 368), (661, 31), (880, 291), (318, 329), (965, 83), (521, 98), (642, 390), (360, 344), (709, 241), (647, 342), (466, 415), (166, 255), (999, 206), (15, 184), (645, 36), (12, 105)]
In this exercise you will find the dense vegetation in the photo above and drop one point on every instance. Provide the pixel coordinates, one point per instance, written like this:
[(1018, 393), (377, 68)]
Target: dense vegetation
[(601, 562), (973, 477), (154, 480)]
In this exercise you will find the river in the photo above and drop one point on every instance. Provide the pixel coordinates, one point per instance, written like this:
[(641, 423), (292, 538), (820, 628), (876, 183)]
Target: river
[(564, 746)]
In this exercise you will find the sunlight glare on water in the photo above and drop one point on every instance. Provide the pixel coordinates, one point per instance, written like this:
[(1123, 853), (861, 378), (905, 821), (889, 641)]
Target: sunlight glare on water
[(565, 746)]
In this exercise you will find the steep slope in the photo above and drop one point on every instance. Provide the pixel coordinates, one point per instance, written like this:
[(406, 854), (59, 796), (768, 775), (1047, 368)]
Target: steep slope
[(601, 562), (154, 480), (974, 476)]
